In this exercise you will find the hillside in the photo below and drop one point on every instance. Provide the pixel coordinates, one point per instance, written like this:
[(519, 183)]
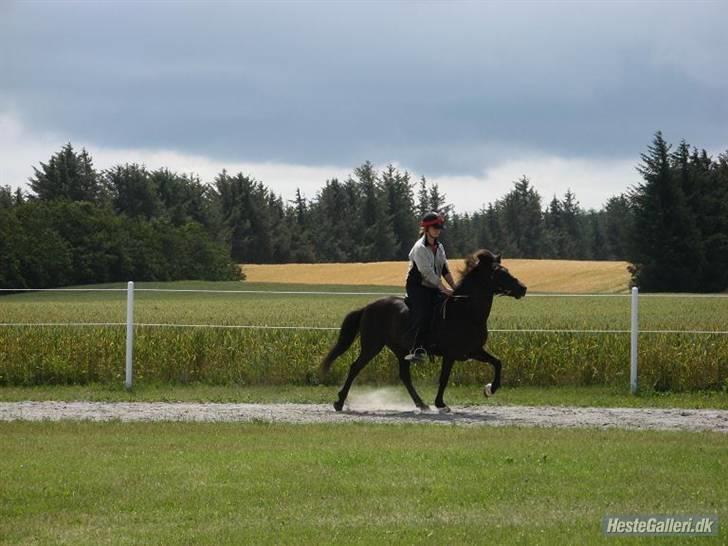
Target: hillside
[(538, 275)]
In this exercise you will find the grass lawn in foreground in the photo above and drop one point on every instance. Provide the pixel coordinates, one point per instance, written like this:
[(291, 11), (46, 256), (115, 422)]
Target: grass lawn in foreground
[(598, 396), (185, 483)]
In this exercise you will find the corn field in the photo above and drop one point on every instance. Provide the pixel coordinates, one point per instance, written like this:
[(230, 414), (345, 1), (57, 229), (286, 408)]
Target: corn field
[(79, 354)]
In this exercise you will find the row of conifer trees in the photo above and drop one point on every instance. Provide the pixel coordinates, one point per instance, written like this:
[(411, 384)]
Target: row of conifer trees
[(78, 225)]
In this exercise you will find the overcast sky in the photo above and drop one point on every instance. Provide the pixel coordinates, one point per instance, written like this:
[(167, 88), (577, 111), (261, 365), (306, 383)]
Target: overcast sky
[(470, 95)]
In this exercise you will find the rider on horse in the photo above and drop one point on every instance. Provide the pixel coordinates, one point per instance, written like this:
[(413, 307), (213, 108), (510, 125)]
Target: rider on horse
[(428, 264)]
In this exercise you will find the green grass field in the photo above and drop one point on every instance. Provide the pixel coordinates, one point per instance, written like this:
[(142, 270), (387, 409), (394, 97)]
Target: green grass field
[(177, 483), (204, 483), (81, 355)]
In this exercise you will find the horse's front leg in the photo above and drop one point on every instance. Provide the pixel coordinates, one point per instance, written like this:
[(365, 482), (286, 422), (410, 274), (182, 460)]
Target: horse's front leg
[(484, 356), (447, 363)]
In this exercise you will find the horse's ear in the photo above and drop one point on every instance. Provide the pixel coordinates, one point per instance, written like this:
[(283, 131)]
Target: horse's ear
[(497, 258)]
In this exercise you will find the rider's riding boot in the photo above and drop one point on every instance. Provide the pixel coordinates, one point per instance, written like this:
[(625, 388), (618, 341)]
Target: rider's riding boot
[(417, 355)]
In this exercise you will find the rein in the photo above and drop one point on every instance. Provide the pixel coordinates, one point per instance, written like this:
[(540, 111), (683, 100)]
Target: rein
[(447, 300), (465, 296)]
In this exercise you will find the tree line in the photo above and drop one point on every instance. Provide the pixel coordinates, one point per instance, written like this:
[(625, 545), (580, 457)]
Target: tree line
[(78, 225)]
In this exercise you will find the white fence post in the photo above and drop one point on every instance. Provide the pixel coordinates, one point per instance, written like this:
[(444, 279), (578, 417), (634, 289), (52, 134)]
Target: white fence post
[(633, 344), (129, 332)]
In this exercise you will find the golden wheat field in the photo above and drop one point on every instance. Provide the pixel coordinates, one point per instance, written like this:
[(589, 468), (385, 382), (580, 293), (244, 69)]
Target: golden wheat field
[(570, 276)]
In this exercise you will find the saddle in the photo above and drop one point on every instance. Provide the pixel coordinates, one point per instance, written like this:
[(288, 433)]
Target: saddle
[(438, 308)]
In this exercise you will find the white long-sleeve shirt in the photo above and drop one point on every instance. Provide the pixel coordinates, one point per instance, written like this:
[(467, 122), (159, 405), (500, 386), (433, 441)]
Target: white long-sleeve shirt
[(427, 266)]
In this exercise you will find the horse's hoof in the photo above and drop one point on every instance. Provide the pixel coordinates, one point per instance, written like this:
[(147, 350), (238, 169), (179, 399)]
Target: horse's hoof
[(444, 409), (338, 406), (424, 407), (488, 390)]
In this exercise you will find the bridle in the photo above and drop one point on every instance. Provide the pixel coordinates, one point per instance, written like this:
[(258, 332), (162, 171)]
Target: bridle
[(505, 291), (491, 278)]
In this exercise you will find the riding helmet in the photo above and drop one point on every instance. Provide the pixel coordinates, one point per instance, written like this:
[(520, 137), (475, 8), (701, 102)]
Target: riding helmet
[(433, 219)]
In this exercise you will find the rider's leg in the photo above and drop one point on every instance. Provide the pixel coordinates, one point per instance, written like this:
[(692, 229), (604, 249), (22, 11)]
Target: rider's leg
[(420, 314), (423, 334)]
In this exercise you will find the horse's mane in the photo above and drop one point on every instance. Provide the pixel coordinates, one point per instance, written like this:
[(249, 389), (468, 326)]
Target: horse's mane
[(471, 262)]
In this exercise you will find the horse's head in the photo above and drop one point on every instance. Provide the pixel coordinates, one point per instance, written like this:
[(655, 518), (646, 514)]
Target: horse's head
[(486, 268)]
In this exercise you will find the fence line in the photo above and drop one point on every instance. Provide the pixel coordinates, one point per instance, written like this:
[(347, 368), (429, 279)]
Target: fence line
[(334, 293), (63, 289), (98, 324), (130, 324)]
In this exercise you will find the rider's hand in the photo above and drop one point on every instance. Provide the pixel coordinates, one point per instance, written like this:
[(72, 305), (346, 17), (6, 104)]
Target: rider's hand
[(445, 290)]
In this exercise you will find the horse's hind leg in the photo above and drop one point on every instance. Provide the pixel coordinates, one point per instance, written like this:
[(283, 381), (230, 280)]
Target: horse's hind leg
[(358, 365), (406, 377)]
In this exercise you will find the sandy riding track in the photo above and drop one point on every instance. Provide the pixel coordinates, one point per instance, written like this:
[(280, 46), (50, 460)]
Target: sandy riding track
[(532, 416)]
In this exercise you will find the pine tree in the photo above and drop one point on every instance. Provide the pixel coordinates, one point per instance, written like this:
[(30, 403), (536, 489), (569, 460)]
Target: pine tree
[(280, 235), (132, 191), (666, 248), (481, 231), (493, 226), (713, 220), (300, 208), (554, 237), (521, 221), (400, 208), (330, 218), (67, 175), (182, 198), (355, 226), (617, 227), (598, 249), (378, 239), (6, 197), (423, 199), (438, 201), (459, 237), (243, 205), (302, 247), (575, 228)]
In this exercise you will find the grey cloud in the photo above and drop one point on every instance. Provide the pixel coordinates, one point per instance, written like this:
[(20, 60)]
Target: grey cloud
[(442, 87)]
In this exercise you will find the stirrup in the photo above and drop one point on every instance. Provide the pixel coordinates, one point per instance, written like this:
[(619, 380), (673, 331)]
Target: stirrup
[(418, 355)]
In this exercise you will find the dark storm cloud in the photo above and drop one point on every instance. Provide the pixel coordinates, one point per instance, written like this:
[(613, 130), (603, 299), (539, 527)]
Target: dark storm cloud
[(443, 88)]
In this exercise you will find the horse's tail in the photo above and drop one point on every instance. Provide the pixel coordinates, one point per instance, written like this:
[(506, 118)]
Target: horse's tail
[(347, 335)]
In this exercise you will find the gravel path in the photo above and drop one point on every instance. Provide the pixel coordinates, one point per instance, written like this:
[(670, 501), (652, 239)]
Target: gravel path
[(537, 416)]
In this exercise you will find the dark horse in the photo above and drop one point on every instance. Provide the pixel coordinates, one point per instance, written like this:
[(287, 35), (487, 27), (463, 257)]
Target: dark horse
[(459, 331)]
